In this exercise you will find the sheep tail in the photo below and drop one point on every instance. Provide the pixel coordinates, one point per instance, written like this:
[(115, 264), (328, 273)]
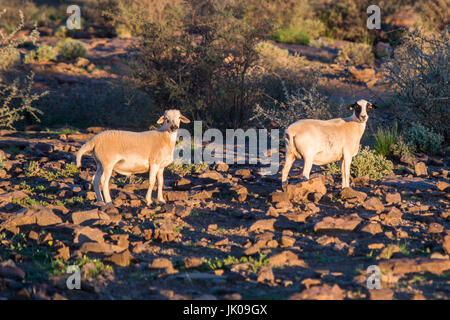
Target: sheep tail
[(290, 145), (87, 147)]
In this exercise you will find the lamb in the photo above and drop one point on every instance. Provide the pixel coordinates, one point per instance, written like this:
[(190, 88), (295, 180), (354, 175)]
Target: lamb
[(321, 142), (128, 152)]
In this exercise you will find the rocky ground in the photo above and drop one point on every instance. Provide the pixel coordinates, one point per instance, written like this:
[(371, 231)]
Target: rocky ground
[(226, 232)]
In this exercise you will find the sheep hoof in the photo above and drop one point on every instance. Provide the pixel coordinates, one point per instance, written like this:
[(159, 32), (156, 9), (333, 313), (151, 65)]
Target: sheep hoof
[(284, 185), (162, 201), (149, 202), (303, 179)]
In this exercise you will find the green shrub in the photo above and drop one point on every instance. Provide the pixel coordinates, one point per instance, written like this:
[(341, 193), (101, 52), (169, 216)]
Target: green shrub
[(385, 138), (424, 139), (291, 34), (42, 54), (61, 32), (400, 149), (356, 54), (72, 49), (366, 162)]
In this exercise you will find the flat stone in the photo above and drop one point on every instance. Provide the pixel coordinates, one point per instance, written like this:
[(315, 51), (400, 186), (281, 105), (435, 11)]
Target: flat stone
[(373, 203), (287, 258), (394, 197), (420, 169), (90, 217), (337, 225), (349, 193)]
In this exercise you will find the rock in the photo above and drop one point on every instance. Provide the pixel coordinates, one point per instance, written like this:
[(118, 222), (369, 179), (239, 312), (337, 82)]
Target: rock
[(165, 233), (193, 262), (8, 269), (446, 244), (393, 198), (243, 172), (420, 169), (349, 193), (211, 176), (37, 215), (90, 217), (64, 253), (160, 263), (265, 274), (176, 195), (8, 197), (286, 258), (375, 246), (337, 225), (381, 294), (373, 203), (202, 195), (409, 160), (435, 227), (442, 185), (324, 292), (287, 241), (279, 196), (372, 228), (221, 166), (413, 265), (121, 240), (121, 259), (88, 234), (300, 191), (315, 197), (393, 218), (262, 225), (241, 192), (182, 184), (100, 247)]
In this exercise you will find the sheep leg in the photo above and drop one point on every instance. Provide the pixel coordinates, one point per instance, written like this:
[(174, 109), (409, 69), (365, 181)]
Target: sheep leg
[(160, 179), (151, 183), (290, 158), (107, 171), (96, 182), (345, 171), (307, 167), (343, 177)]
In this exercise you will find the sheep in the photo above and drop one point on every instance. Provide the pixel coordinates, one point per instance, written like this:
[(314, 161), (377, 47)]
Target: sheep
[(322, 142), (128, 152)]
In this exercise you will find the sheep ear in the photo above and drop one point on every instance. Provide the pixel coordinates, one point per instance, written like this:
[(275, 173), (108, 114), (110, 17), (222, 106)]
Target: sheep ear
[(161, 120), (350, 107), (184, 119), (372, 106)]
